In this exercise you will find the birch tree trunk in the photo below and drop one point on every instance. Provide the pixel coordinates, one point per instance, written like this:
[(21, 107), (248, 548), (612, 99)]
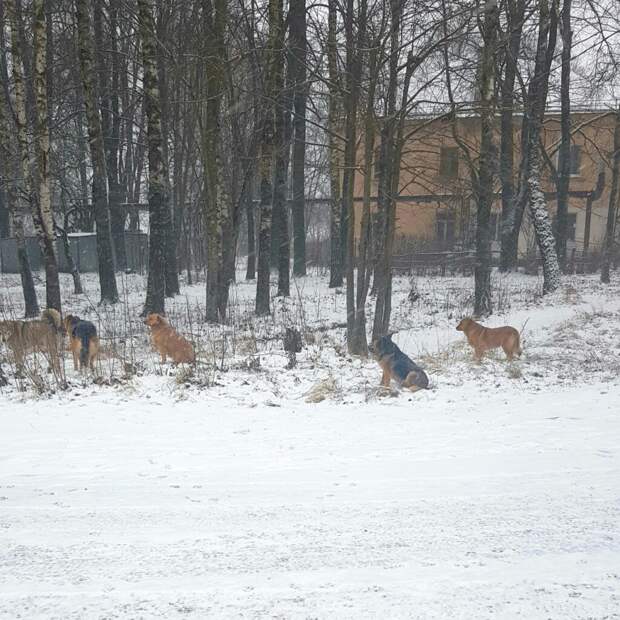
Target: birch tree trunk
[(42, 216), (563, 178), (105, 251), (614, 199), (17, 196), (537, 202), (485, 178), (159, 211), (532, 120)]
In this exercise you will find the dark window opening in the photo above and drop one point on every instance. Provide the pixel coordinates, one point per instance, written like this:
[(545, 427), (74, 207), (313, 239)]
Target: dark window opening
[(575, 159), (449, 162), (445, 226)]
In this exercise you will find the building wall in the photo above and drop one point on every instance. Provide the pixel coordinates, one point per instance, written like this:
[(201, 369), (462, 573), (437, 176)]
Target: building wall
[(426, 194)]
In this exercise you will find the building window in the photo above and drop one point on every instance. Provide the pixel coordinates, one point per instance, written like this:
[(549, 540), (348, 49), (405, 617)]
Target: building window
[(449, 162), (445, 223), (571, 226), (575, 159), (376, 160), (494, 223)]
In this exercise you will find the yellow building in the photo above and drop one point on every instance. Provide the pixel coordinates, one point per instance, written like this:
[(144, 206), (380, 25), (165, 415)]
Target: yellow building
[(435, 209)]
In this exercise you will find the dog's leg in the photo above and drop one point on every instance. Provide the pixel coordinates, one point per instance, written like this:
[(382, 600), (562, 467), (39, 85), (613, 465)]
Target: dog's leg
[(478, 353), (385, 379), (163, 357)]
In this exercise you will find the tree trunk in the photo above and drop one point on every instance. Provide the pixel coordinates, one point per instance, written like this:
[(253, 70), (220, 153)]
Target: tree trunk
[(105, 251), (336, 265), (171, 262), (298, 44), (159, 211), (538, 98), (614, 198), (15, 207), (282, 140), (250, 272), (266, 162), (516, 13), (42, 215), (216, 208), (108, 83), (563, 177), (351, 102), (534, 111), (484, 190), (359, 339), (388, 170)]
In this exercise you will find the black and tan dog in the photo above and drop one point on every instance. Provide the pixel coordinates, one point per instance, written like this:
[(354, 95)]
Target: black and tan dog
[(397, 366), (44, 335), (83, 342)]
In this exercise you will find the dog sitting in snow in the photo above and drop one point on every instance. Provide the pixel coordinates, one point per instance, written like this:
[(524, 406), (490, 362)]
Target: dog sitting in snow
[(484, 339), (168, 342), (83, 342), (397, 366)]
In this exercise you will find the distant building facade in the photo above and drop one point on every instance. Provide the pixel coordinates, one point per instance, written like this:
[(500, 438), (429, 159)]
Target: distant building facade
[(436, 209)]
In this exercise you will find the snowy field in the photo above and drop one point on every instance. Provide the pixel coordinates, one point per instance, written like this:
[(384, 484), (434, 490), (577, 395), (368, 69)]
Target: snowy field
[(226, 493)]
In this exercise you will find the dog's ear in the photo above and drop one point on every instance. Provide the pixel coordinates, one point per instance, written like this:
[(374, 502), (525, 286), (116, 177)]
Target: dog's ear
[(390, 334)]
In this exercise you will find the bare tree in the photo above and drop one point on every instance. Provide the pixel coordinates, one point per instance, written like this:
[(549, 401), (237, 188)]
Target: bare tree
[(266, 160), (105, 252), (297, 67), (217, 207), (16, 196), (485, 176), (614, 200), (159, 211), (336, 270), (515, 17), (547, 27), (564, 155)]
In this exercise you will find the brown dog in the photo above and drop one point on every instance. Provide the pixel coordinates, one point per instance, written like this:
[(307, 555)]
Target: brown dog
[(83, 342), (44, 335), (167, 342), (483, 339)]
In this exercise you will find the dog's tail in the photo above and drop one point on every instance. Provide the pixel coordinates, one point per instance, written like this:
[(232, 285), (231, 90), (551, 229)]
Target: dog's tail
[(85, 332), (520, 339)]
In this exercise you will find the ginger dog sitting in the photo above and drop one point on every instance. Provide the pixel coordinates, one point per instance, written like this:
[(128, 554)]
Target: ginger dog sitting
[(168, 342), (484, 339)]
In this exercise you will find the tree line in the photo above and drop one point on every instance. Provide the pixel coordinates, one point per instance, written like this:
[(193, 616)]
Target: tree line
[(220, 115)]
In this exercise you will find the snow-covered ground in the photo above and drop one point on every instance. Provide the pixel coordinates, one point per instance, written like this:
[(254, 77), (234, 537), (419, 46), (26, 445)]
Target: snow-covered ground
[(224, 493)]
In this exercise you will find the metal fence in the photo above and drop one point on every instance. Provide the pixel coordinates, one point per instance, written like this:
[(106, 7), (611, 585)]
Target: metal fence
[(83, 251)]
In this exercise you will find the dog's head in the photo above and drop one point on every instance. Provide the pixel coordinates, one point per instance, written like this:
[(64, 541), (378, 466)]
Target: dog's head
[(53, 318), (463, 324), (382, 346), (70, 321), (153, 320)]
